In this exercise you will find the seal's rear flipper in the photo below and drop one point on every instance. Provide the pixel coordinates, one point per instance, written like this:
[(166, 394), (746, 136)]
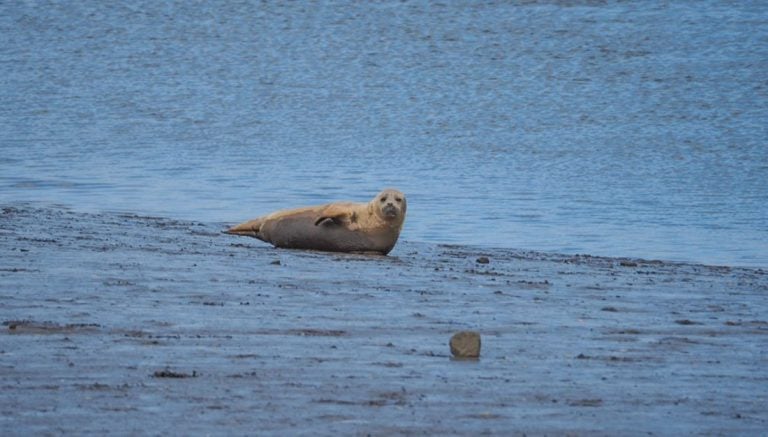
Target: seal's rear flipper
[(248, 229)]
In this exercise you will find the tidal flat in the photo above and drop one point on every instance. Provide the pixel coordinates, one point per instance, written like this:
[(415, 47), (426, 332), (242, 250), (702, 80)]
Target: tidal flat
[(117, 323)]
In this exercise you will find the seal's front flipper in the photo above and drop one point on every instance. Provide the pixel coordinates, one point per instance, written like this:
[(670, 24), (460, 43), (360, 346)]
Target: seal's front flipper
[(328, 221)]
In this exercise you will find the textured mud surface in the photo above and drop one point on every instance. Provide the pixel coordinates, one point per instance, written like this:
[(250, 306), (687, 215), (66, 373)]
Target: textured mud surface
[(121, 323)]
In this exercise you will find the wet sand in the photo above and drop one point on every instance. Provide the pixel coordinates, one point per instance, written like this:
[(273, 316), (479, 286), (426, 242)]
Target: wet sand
[(115, 323)]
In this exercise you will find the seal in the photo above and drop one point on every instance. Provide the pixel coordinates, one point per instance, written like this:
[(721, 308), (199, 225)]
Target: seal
[(371, 227)]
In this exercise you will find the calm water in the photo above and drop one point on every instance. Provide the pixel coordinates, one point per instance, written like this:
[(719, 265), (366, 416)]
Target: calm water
[(622, 129)]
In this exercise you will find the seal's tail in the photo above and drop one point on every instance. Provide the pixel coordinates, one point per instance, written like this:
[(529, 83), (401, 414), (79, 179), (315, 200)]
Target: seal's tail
[(250, 228)]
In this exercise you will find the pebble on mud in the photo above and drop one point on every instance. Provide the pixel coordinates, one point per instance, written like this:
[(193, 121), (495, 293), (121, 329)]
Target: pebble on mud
[(167, 373), (465, 344)]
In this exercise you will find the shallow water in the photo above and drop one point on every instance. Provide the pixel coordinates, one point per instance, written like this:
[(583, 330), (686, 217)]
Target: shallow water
[(620, 129)]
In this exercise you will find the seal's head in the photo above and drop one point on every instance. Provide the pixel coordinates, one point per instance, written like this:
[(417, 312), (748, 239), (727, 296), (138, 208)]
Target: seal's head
[(389, 205)]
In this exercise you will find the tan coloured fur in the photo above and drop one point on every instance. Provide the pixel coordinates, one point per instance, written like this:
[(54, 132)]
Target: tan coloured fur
[(356, 219)]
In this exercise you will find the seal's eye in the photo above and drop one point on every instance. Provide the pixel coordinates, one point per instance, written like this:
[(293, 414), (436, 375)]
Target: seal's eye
[(398, 200), (383, 199)]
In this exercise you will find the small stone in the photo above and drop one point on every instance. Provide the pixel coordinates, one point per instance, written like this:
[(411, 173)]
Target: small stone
[(483, 260), (465, 344), (275, 262), (686, 322)]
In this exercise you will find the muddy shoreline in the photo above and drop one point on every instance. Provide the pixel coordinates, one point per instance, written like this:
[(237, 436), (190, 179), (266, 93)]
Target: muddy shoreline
[(118, 323)]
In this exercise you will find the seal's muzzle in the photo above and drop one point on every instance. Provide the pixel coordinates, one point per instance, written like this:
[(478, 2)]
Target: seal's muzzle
[(390, 211)]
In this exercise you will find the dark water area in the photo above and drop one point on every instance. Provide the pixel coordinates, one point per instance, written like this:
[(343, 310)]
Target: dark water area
[(608, 128)]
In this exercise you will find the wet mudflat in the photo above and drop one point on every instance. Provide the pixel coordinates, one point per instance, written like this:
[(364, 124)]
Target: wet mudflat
[(130, 324)]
